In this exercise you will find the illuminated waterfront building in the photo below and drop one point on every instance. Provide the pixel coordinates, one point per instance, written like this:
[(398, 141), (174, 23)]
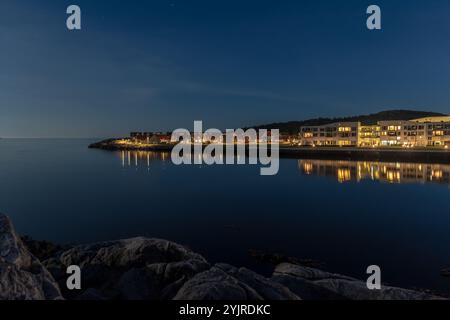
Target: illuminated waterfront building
[(369, 136), (424, 132), (335, 134)]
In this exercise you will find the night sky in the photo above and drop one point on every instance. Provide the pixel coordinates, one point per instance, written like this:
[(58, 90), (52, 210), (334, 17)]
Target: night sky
[(161, 64)]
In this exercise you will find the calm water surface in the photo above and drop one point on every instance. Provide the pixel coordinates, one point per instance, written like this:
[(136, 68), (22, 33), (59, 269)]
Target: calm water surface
[(348, 215)]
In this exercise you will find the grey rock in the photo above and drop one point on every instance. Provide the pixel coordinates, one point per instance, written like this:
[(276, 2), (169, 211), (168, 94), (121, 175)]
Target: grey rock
[(266, 288), (170, 291), (216, 284), (128, 253), (131, 269), (225, 282), (22, 276), (357, 290), (171, 276), (306, 289), (321, 283), (307, 273)]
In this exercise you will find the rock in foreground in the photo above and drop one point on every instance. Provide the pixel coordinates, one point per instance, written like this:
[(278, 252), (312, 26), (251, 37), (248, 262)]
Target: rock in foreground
[(155, 269), (131, 269), (316, 284), (225, 282), (22, 276)]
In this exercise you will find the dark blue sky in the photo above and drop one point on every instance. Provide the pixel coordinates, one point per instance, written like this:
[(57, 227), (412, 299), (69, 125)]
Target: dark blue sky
[(159, 65)]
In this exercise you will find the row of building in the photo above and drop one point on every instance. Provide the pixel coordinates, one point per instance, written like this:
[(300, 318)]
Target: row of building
[(424, 132), (163, 138), (151, 137)]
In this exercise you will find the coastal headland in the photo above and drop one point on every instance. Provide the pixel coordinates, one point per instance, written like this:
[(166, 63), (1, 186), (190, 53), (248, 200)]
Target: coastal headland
[(395, 135)]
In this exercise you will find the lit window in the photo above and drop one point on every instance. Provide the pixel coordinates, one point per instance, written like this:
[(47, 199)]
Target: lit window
[(345, 129), (345, 142)]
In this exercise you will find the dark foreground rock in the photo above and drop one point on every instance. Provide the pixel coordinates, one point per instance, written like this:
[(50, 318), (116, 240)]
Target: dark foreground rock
[(22, 276), (225, 282), (155, 269), (42, 249), (316, 284), (135, 269)]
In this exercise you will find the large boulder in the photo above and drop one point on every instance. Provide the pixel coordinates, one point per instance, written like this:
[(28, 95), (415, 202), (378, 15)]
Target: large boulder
[(315, 284), (22, 276), (133, 269), (225, 282)]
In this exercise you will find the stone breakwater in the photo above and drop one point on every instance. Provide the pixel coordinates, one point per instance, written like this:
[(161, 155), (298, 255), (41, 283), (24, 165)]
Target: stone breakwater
[(155, 269)]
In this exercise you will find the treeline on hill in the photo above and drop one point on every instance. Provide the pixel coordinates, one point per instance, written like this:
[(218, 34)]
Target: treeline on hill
[(292, 127)]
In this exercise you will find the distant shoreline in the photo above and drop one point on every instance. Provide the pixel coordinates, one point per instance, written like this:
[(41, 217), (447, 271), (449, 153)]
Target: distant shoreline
[(294, 152)]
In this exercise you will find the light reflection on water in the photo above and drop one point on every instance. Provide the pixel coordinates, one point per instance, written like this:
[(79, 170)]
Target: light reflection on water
[(389, 172), (141, 158), (341, 170), (145, 158)]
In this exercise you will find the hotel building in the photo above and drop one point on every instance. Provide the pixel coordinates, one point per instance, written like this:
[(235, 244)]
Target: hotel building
[(424, 132), (335, 134)]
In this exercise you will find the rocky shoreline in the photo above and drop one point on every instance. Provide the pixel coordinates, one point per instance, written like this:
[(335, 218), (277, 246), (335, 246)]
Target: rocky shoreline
[(156, 269)]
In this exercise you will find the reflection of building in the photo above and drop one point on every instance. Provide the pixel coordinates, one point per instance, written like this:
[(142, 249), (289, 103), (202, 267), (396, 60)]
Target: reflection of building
[(378, 171), (424, 132)]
